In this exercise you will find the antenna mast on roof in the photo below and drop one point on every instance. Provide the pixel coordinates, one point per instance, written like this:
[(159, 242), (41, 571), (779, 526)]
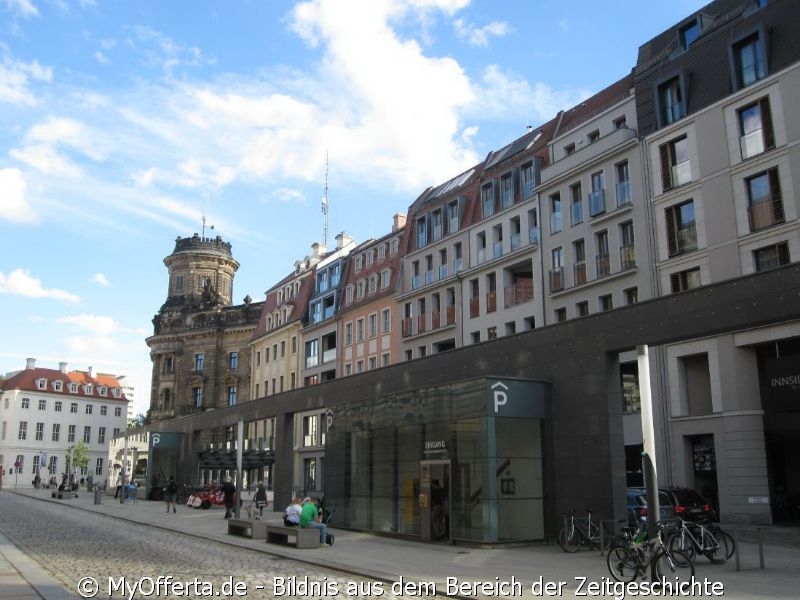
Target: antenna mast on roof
[(325, 205)]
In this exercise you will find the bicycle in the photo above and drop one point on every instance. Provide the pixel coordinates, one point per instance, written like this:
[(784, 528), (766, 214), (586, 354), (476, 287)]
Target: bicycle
[(700, 537), (629, 562), (577, 532)]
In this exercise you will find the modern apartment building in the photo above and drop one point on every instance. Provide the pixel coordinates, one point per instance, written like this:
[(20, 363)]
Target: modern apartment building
[(43, 412)]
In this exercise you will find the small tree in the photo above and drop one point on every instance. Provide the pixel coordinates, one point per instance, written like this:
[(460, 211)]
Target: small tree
[(138, 421), (76, 456)]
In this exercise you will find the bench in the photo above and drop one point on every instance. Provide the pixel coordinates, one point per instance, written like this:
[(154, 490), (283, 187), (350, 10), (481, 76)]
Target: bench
[(303, 537), (63, 495), (251, 529)]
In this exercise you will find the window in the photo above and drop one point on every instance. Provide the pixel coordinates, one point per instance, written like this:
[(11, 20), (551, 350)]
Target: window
[(560, 315), (452, 216), (557, 270), (103, 411), (360, 330), (457, 257), (368, 258), (57, 406), (42, 404), (672, 106), (381, 252), (593, 136), (199, 360), (675, 166), (98, 467), (422, 233), (569, 149), (58, 386), (597, 198), (605, 302), (373, 325), (755, 128), (73, 388), (480, 247), (73, 407), (233, 391), (576, 204), (685, 280), (386, 320), (627, 253), (393, 246), (233, 360), (689, 33), (771, 257), (26, 402), (87, 434), (749, 60), (487, 200), (579, 264), (294, 344), (101, 435), (41, 384), (623, 184), (197, 397), (681, 230), (39, 432), (373, 363), (56, 434), (507, 190), (620, 122), (283, 348), (437, 224), (528, 181), (603, 257), (373, 284), (386, 279), (348, 334), (631, 295), (88, 409), (312, 353), (117, 411), (555, 213), (582, 308), (386, 359), (764, 202)]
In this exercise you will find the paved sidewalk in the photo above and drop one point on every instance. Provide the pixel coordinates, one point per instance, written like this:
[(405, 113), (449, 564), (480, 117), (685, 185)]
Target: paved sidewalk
[(393, 560)]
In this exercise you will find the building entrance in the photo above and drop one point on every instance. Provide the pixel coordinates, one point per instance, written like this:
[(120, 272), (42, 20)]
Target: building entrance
[(434, 500)]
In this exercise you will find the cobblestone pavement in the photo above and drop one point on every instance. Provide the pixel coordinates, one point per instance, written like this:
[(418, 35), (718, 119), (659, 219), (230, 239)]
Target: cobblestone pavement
[(72, 546)]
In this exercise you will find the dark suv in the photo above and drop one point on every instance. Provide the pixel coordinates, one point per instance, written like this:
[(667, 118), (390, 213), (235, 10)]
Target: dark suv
[(689, 504)]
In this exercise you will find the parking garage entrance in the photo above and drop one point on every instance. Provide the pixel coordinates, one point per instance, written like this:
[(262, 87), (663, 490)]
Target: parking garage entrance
[(459, 461)]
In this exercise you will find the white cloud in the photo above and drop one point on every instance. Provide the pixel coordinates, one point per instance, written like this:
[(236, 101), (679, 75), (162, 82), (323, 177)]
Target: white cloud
[(15, 78), (101, 58), (479, 36), (14, 205), (66, 132), (98, 325), (20, 283), (100, 280), (46, 159), (24, 8), (161, 50)]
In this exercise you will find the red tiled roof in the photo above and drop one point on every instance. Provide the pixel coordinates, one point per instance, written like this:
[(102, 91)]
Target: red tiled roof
[(26, 379)]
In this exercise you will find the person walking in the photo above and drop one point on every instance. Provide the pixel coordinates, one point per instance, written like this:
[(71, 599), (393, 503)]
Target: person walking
[(170, 493), (260, 498), (228, 495)]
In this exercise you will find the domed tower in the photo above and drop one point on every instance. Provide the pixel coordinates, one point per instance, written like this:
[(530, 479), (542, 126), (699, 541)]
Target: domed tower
[(200, 338), (201, 272)]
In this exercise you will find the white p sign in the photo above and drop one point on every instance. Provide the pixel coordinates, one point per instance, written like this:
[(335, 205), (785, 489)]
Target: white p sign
[(500, 395)]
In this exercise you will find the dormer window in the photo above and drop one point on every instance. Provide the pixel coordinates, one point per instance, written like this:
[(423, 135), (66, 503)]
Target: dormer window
[(358, 263), (87, 389), (369, 258), (688, 34), (115, 392), (102, 391), (381, 251), (58, 385), (569, 149), (393, 246), (41, 384), (73, 388)]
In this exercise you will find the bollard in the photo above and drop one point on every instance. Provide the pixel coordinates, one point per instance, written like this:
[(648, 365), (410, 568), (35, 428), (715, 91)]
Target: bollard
[(97, 496)]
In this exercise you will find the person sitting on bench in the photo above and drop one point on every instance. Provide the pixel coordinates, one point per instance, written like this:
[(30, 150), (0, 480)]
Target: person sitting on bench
[(291, 516), (310, 517)]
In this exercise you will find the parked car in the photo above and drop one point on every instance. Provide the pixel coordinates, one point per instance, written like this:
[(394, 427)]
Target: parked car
[(637, 506), (689, 504)]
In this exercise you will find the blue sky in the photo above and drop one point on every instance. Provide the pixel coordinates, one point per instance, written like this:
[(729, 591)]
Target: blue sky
[(123, 123)]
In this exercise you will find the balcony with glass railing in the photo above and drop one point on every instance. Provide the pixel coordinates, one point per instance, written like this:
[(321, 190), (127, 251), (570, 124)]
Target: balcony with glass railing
[(576, 213), (623, 193), (752, 143), (436, 232), (557, 279), (579, 272), (765, 214), (687, 238), (458, 265), (627, 257), (681, 173), (329, 355), (497, 249), (414, 282), (603, 265), (673, 113), (533, 235), (474, 307), (527, 188), (597, 203), (312, 361), (442, 271), (481, 255), (556, 222), (491, 302), (518, 292), (507, 198), (516, 241), (428, 277)]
